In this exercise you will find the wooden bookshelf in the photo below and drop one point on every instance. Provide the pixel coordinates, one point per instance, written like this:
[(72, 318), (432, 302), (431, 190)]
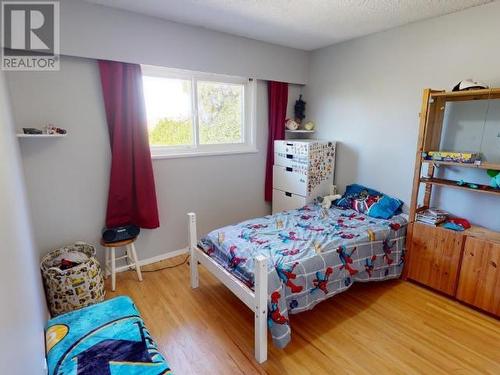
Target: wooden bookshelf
[(459, 264), (453, 184)]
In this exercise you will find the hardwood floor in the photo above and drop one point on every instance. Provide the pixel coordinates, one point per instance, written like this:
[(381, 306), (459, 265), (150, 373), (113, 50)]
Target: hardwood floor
[(392, 327)]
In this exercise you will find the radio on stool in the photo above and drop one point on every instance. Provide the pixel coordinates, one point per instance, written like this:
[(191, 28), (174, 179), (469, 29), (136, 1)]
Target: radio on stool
[(126, 232)]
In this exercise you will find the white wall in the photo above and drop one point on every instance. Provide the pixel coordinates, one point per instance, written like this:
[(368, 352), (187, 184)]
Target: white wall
[(366, 94), (67, 179), (22, 312), (95, 31)]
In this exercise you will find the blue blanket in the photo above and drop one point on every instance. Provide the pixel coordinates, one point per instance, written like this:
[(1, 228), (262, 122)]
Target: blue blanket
[(313, 254), (103, 339)]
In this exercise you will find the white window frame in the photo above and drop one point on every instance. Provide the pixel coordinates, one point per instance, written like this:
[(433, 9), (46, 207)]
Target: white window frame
[(249, 121)]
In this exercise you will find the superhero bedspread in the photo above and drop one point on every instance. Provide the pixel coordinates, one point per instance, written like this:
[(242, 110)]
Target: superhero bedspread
[(103, 339), (314, 254)]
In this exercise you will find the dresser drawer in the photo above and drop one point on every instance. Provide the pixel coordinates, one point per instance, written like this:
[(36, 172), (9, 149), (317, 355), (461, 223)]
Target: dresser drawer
[(290, 180), (293, 148), (305, 149), (283, 201), (291, 160)]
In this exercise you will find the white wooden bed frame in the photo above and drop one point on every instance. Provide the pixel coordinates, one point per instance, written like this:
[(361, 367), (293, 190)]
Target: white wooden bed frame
[(255, 300)]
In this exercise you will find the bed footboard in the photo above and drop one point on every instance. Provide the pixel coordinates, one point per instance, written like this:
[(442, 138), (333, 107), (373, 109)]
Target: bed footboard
[(255, 300)]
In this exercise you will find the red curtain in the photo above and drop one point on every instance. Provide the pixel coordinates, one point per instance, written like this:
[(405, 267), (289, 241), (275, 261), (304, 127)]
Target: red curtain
[(131, 196), (278, 100)]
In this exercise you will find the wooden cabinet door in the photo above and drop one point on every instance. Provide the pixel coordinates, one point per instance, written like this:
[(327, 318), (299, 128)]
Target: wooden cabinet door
[(435, 257), (479, 282)]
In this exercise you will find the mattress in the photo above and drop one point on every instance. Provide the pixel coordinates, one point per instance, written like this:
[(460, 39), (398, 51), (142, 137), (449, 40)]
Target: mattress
[(313, 254), (103, 339)]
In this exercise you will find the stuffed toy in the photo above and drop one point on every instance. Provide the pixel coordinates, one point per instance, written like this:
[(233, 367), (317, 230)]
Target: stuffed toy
[(326, 201), (495, 178)]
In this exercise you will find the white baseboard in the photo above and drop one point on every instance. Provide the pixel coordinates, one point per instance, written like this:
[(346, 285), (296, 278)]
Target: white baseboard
[(155, 259)]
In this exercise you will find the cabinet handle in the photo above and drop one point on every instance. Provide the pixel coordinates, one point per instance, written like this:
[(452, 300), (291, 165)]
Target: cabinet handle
[(289, 169), (288, 194), (289, 156)]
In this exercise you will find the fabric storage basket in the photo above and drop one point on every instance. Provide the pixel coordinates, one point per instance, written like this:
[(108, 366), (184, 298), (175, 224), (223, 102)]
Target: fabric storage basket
[(75, 287)]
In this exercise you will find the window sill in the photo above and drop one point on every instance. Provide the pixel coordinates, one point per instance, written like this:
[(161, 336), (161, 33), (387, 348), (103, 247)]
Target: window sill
[(192, 153)]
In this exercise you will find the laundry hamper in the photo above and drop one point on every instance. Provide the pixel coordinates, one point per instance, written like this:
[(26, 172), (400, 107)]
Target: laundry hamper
[(73, 288)]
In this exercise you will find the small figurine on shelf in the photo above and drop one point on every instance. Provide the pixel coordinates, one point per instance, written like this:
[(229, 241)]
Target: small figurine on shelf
[(300, 108), (51, 129), (309, 125), (291, 124), (32, 131), (495, 178), (467, 184)]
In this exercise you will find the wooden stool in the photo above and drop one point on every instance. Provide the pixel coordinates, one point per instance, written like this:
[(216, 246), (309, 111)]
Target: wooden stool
[(110, 264)]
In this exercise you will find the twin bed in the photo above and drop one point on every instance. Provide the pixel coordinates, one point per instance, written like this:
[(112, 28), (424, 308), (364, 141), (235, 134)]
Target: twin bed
[(288, 262)]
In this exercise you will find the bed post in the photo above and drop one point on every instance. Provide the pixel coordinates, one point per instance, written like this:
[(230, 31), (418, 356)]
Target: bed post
[(260, 273), (192, 250)]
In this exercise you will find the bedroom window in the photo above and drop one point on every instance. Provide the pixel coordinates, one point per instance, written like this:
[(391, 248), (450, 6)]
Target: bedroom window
[(194, 114)]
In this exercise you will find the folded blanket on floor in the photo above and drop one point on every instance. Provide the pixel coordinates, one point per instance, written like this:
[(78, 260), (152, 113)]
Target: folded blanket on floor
[(103, 339)]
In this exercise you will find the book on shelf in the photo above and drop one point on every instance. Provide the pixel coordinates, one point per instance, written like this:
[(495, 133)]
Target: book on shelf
[(432, 216)]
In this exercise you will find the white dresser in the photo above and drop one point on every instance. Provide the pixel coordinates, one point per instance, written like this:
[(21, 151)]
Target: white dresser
[(303, 170)]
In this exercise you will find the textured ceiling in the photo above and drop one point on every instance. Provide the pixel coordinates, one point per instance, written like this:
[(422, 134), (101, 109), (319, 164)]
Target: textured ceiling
[(304, 24)]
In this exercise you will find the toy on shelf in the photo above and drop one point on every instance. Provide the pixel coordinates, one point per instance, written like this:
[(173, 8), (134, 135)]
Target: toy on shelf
[(300, 108), (32, 131), (51, 129), (452, 156), (495, 178), (468, 184), (291, 124), (309, 126)]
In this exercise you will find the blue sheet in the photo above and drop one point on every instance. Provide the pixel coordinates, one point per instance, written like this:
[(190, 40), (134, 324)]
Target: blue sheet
[(108, 338), (313, 254)]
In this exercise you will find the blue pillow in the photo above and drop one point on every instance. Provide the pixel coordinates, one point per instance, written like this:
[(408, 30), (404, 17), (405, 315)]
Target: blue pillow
[(384, 208)]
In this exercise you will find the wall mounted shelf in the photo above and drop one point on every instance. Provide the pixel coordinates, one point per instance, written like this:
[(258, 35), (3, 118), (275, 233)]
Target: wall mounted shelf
[(301, 131), (33, 136)]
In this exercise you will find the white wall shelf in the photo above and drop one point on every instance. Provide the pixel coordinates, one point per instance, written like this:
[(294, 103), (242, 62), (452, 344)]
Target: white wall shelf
[(22, 135), (300, 131)]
